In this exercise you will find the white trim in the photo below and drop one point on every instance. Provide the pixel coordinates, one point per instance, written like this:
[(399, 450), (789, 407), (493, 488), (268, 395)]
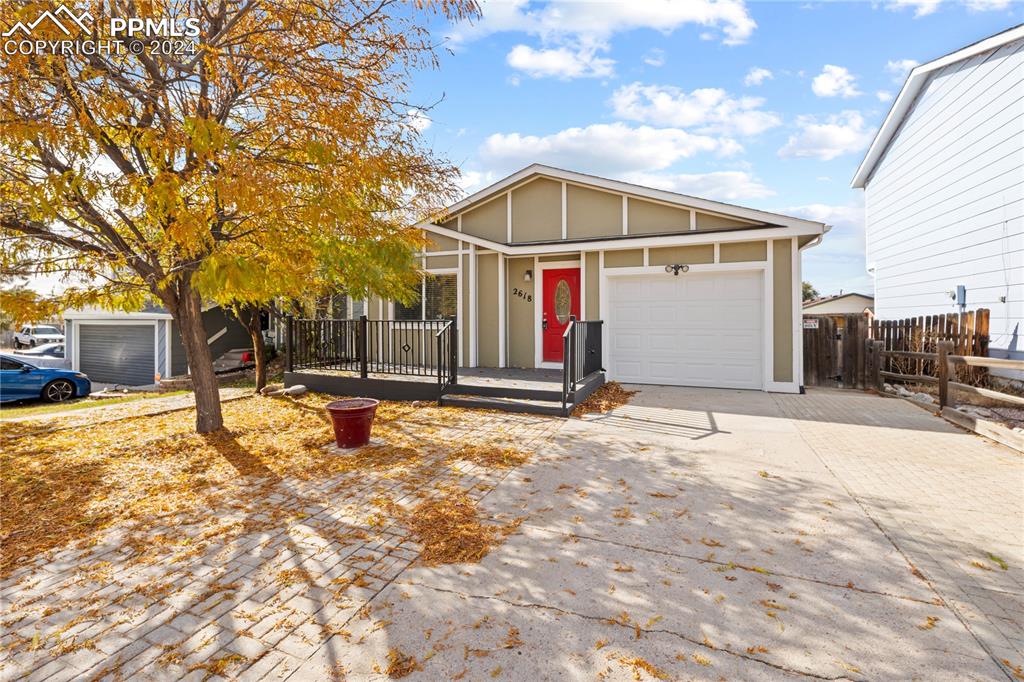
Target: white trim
[(508, 215), (602, 306), (501, 311), (565, 212), (583, 285), (428, 254), (211, 339), (769, 316), (796, 317), (647, 257), (625, 214), (606, 184), (169, 345), (693, 219), (538, 305), (472, 306), (538, 336), (99, 316), (683, 239), (461, 314), (718, 252), (458, 226), (916, 80)]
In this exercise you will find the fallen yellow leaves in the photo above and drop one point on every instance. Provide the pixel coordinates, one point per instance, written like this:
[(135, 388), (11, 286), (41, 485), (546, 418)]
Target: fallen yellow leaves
[(604, 399), (450, 530), (400, 664), (66, 486), (929, 623)]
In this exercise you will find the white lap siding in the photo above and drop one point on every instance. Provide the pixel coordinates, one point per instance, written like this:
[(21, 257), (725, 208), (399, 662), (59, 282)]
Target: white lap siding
[(945, 205)]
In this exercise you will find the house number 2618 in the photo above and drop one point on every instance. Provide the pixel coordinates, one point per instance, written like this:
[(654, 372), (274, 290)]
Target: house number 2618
[(516, 291)]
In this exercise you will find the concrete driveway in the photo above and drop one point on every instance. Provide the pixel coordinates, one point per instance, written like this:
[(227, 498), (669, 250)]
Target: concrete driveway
[(712, 534)]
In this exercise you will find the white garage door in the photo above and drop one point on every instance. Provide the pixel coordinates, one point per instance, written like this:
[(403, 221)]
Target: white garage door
[(687, 330)]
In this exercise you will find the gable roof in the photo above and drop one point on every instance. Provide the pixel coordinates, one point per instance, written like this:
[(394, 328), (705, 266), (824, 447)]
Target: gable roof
[(916, 80), (829, 299), (639, 191)]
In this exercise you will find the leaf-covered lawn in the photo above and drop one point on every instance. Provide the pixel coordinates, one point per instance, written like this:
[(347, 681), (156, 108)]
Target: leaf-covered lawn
[(66, 486)]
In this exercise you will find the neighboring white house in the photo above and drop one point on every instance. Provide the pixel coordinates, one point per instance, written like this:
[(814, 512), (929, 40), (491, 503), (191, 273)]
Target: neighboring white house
[(943, 186), (841, 304)]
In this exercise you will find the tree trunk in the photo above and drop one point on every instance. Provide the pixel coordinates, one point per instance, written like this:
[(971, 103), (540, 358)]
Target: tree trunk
[(251, 318), (188, 315)]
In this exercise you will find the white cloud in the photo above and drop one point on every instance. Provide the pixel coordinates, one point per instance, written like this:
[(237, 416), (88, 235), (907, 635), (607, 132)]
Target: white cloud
[(720, 185), (710, 110), (418, 119), (838, 262), (558, 20), (899, 68), (604, 149), (561, 62), (921, 8), (655, 57), (839, 134), (470, 181), (756, 76), (835, 81), (883, 95)]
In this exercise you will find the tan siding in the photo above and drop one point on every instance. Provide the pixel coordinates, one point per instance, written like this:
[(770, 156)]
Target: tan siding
[(593, 286), (452, 224), (487, 309), (439, 242), (591, 213), (782, 295), (714, 222), (442, 262), (373, 308), (686, 255), (464, 313), (520, 313), (537, 211), (489, 220), (623, 259), (561, 256), (646, 217), (740, 252)]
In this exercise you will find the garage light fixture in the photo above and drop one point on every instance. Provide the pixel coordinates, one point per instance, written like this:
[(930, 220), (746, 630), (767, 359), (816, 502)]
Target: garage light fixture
[(676, 269)]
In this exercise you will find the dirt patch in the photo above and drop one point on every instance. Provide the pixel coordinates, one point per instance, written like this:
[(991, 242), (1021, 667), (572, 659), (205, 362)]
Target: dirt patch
[(604, 399)]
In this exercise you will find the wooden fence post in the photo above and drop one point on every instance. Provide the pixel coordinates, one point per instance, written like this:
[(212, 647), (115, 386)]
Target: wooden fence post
[(870, 369), (944, 348), (876, 352)]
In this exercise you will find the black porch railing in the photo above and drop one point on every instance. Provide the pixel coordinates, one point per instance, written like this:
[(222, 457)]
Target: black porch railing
[(405, 347), (581, 355)]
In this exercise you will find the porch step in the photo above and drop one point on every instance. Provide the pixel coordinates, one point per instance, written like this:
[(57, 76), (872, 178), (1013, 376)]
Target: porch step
[(460, 399), (506, 392)]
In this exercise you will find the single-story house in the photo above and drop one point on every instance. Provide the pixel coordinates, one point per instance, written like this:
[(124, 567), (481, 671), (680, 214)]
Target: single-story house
[(139, 348), (690, 291), (841, 304)]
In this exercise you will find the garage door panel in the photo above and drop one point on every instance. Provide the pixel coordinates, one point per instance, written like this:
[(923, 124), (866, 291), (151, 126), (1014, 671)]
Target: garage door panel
[(117, 354), (694, 330)]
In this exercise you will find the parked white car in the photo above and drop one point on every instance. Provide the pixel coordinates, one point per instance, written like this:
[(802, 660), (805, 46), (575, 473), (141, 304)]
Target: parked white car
[(32, 335), (47, 355)]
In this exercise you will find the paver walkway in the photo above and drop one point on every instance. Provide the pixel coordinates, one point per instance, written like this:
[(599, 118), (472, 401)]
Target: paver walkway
[(693, 534)]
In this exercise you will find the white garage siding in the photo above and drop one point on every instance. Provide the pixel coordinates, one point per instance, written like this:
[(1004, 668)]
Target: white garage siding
[(695, 330), (945, 204)]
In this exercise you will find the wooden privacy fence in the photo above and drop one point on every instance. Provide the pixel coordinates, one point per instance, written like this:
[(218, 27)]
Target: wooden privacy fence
[(967, 332), (834, 353), (945, 362)]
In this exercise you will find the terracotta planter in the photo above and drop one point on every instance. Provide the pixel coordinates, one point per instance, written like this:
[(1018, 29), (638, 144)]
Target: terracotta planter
[(352, 419)]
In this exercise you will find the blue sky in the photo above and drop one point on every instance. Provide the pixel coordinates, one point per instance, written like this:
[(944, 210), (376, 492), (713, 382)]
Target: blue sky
[(764, 104)]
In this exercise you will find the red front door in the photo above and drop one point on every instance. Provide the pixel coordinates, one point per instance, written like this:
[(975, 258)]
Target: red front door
[(561, 299)]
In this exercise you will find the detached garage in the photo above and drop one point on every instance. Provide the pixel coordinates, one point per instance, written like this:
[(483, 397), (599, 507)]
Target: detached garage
[(138, 349)]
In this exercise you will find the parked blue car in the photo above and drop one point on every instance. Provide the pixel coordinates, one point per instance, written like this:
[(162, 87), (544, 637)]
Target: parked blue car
[(20, 380)]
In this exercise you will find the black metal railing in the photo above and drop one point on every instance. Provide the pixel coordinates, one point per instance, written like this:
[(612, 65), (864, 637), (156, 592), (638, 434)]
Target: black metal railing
[(581, 355), (406, 347)]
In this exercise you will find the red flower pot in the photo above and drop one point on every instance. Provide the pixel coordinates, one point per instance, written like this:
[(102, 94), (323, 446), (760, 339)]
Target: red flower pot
[(352, 419)]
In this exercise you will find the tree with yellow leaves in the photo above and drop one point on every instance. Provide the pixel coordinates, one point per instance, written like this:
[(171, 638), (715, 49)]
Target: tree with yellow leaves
[(263, 150)]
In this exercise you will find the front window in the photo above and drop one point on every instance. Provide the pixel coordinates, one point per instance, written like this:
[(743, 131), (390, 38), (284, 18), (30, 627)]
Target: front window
[(438, 300)]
